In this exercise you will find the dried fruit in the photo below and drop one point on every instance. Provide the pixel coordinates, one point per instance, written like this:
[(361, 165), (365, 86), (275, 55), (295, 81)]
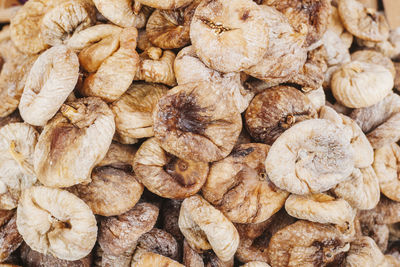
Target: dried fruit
[(374, 57), (190, 124), (119, 157), (159, 242), (255, 264), (73, 142), (166, 175), (10, 239), (359, 84), (230, 36), (134, 109), (152, 259), (239, 187), (204, 227), (52, 78), (165, 4), (312, 156), (364, 252), (317, 98), (275, 110), (55, 221), (191, 258)]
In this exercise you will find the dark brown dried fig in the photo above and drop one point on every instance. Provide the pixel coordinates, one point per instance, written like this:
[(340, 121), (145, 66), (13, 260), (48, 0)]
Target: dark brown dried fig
[(10, 239)]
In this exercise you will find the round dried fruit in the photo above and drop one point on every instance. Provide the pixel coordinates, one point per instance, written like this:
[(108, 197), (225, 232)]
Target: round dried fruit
[(55, 221), (166, 175), (359, 84), (204, 227), (275, 110), (190, 124), (312, 156), (230, 36), (17, 144), (238, 186), (73, 142), (52, 78)]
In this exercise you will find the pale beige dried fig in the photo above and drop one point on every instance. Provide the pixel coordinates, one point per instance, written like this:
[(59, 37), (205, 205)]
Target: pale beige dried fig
[(153, 259), (204, 227), (165, 4), (275, 110), (309, 17), (230, 36), (134, 109), (364, 23), (307, 244), (361, 191), (386, 165), (65, 19), (166, 175), (321, 208), (73, 142), (364, 252), (312, 156), (52, 78), (359, 84), (17, 144), (119, 235), (158, 68), (122, 12), (55, 221), (116, 73), (285, 55), (10, 239), (239, 187), (374, 57), (190, 124)]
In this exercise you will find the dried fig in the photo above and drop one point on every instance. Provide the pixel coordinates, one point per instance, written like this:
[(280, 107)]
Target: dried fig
[(165, 4), (166, 175), (52, 78), (190, 124), (364, 23), (359, 84), (230, 36), (238, 186), (159, 242), (374, 57), (152, 259), (119, 156), (10, 239), (17, 144), (55, 221), (73, 142), (313, 161), (364, 252), (134, 109), (369, 227), (306, 16), (204, 227), (170, 216), (307, 244), (337, 51), (118, 235), (275, 110)]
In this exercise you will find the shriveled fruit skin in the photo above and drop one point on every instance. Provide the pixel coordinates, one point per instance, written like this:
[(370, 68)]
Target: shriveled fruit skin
[(10, 238), (229, 36), (55, 221), (153, 259), (275, 110), (165, 4), (312, 156), (374, 57), (364, 252)]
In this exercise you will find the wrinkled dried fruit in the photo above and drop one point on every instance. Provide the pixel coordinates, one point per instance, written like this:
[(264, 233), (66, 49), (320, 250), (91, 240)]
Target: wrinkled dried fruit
[(166, 175), (118, 235), (159, 242), (364, 252), (336, 49), (364, 23), (170, 216), (165, 4), (17, 144), (134, 109), (360, 84), (52, 78), (275, 110), (307, 244), (239, 187), (230, 36), (190, 124), (191, 258), (312, 156), (317, 98), (119, 157), (152, 259), (256, 264), (55, 221), (374, 57), (73, 142), (10, 239), (204, 227)]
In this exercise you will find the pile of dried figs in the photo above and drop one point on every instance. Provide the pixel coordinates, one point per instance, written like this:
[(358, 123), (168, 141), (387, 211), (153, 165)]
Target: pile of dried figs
[(196, 133)]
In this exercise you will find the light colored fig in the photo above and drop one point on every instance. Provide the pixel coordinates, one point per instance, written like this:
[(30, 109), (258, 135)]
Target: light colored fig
[(374, 57), (359, 84), (73, 142), (337, 51), (230, 36), (204, 227), (55, 221), (17, 144), (134, 109), (52, 78), (153, 259), (165, 4), (190, 124), (312, 156), (239, 187), (166, 175), (364, 23)]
